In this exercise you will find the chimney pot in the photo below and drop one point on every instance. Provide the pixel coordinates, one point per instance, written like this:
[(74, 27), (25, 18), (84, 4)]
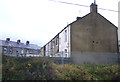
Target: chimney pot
[(7, 39), (27, 42), (78, 18), (18, 41)]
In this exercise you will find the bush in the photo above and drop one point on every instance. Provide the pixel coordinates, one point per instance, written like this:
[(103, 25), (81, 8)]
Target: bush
[(45, 69), (27, 69)]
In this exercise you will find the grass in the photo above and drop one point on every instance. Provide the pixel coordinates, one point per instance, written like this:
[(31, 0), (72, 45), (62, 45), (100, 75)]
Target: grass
[(44, 69)]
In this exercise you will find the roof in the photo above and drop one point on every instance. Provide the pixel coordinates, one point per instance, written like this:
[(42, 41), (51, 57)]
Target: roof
[(20, 45), (80, 18)]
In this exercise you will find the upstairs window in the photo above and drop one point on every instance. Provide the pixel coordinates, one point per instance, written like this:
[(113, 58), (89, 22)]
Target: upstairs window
[(53, 44), (10, 51), (57, 41), (5, 50), (65, 35)]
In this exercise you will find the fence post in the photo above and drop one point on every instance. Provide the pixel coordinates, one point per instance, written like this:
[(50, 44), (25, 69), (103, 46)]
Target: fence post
[(62, 59)]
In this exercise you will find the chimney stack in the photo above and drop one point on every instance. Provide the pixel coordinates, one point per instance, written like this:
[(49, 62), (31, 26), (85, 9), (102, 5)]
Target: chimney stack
[(78, 18), (18, 41), (27, 42), (7, 39), (93, 8)]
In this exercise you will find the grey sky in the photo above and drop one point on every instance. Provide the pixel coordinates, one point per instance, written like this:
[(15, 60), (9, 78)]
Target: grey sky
[(40, 20)]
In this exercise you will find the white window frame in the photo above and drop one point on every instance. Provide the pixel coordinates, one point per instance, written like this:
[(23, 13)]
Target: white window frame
[(65, 35), (59, 40), (5, 50)]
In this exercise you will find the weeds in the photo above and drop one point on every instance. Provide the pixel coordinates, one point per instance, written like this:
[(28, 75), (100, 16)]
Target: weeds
[(44, 69)]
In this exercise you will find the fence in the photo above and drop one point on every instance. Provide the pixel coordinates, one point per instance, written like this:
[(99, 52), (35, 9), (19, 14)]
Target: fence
[(94, 58), (80, 58)]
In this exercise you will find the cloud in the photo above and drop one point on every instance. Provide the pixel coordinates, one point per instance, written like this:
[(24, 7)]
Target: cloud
[(40, 20)]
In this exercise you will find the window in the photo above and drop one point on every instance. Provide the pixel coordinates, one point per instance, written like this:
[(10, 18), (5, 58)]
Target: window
[(5, 50), (53, 44), (59, 40), (65, 52), (22, 51), (48, 49), (57, 50), (10, 51), (17, 51), (65, 35), (27, 51), (119, 48)]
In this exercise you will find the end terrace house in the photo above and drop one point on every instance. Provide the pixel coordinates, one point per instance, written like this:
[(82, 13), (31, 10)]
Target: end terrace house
[(17, 48), (91, 33)]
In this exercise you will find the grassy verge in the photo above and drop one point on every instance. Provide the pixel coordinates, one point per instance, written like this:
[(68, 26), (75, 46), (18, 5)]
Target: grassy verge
[(44, 69)]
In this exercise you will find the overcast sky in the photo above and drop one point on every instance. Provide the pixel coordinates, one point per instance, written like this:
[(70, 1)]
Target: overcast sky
[(40, 20)]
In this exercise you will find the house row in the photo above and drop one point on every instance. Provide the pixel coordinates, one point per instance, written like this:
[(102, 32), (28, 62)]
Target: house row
[(59, 45), (17, 48), (91, 33)]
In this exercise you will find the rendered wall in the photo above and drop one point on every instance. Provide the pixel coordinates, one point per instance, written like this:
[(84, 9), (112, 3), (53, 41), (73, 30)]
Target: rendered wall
[(93, 33), (65, 44)]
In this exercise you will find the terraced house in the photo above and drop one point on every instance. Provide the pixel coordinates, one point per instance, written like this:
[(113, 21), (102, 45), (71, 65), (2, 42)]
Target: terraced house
[(91, 33), (17, 48)]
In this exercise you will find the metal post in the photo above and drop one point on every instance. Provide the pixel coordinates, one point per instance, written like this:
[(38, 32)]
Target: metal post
[(62, 59)]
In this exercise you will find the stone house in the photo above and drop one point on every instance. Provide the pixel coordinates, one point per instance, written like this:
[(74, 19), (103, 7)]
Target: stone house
[(17, 48)]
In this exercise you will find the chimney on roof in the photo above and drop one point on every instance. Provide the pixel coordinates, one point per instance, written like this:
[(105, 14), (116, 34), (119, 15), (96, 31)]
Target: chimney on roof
[(18, 41), (78, 18), (7, 39), (93, 7), (27, 42)]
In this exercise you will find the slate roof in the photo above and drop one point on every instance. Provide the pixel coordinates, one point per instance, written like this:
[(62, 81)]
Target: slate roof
[(20, 45)]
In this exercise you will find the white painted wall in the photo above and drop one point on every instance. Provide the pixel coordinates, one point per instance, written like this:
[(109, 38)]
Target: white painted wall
[(64, 45)]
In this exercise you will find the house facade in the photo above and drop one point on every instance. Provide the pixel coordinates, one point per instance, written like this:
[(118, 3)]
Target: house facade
[(17, 48), (91, 33)]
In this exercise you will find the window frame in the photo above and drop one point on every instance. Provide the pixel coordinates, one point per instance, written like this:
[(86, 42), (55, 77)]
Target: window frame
[(10, 50), (65, 35), (5, 51), (65, 52)]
